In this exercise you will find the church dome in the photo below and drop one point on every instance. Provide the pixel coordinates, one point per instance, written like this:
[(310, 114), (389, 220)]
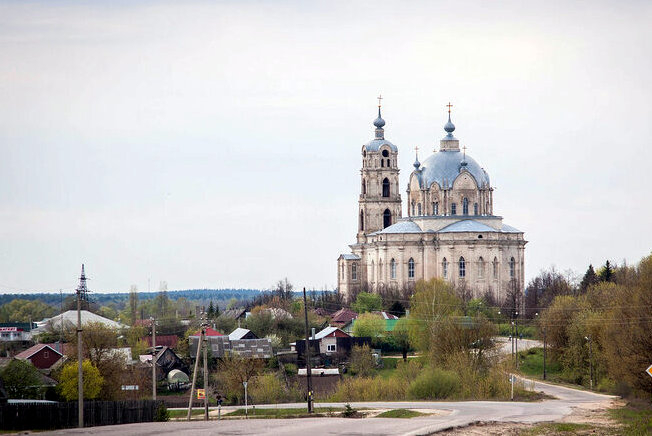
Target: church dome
[(443, 167)]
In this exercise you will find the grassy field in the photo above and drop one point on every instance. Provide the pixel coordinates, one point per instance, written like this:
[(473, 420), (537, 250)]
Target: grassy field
[(184, 413), (400, 413), (530, 363), (636, 418)]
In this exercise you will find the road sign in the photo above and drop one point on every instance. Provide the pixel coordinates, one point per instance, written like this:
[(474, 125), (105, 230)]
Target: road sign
[(649, 370), (201, 394)]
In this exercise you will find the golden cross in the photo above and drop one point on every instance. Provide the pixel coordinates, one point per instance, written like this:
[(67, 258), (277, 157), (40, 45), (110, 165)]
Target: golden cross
[(416, 148), (380, 97), (449, 106)]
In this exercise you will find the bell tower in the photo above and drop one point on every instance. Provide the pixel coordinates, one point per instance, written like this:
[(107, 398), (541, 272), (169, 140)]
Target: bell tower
[(380, 202)]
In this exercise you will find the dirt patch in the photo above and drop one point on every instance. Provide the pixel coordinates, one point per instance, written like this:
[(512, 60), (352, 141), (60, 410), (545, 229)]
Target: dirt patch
[(585, 419)]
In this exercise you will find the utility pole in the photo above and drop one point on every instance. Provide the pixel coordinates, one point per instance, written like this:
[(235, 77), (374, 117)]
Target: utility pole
[(588, 338), (194, 374), (205, 374), (308, 372), (60, 321), (544, 352), (81, 293), (153, 320)]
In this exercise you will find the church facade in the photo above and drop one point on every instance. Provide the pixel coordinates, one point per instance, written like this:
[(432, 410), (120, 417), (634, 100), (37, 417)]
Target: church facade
[(450, 232)]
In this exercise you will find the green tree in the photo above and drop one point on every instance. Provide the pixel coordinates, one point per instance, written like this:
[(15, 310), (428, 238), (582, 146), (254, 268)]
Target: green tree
[(401, 336), (92, 381), (133, 303), (367, 302), (20, 310), (590, 278), (211, 311), (606, 273), (21, 380), (369, 325), (233, 370), (362, 361)]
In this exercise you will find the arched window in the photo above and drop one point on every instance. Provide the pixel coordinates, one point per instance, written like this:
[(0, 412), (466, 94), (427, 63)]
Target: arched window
[(392, 269), (385, 187), (388, 165), (387, 218), (481, 268), (361, 220), (435, 208), (475, 208), (486, 210), (354, 271), (453, 209), (364, 186), (411, 268), (462, 268), (382, 163), (465, 206), (495, 266), (444, 268), (512, 268), (419, 209), (385, 153)]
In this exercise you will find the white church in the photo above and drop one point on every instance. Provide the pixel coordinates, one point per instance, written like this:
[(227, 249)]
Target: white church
[(451, 231)]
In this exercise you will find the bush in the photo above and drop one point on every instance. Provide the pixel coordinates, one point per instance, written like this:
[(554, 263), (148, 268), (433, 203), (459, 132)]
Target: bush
[(362, 361), (434, 384), (291, 369), (162, 413), (266, 389)]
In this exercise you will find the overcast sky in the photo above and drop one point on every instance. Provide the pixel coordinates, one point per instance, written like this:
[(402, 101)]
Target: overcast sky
[(215, 145)]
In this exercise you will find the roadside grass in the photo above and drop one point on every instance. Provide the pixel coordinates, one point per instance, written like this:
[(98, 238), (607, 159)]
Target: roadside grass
[(560, 428), (183, 413), (400, 413), (285, 413), (389, 367), (527, 332), (635, 417)]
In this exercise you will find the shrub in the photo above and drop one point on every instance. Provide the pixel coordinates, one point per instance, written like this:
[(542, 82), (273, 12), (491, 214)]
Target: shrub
[(434, 384), (162, 413), (362, 361), (266, 389), (408, 371)]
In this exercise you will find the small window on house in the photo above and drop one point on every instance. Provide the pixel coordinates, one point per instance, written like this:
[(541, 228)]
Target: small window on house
[(495, 268), (331, 348), (465, 206), (392, 269), (411, 268), (419, 209), (462, 268), (46, 354), (453, 209), (475, 208), (354, 271), (444, 267), (512, 268)]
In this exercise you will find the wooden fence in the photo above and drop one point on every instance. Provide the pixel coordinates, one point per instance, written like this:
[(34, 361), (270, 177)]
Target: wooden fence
[(39, 416)]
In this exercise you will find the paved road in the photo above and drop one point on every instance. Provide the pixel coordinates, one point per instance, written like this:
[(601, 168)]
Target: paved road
[(451, 414)]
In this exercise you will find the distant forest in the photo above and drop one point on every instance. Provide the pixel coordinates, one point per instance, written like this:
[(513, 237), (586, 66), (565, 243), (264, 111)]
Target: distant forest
[(121, 298)]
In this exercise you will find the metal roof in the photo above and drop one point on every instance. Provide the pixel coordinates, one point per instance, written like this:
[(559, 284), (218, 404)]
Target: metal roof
[(443, 167), (375, 144), (403, 226)]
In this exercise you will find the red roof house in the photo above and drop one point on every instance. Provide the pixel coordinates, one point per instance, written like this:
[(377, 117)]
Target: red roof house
[(342, 317), (167, 340), (41, 356)]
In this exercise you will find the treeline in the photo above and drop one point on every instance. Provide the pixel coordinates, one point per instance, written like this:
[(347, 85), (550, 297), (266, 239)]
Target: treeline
[(601, 331)]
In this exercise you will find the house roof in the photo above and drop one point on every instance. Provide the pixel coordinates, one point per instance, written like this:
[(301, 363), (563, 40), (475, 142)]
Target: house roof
[(328, 331), (209, 332), (238, 333), (385, 315), (234, 313), (33, 350), (343, 315)]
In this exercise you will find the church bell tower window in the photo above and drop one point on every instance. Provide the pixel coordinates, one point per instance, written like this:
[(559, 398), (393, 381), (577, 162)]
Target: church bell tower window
[(453, 209), (385, 187), (465, 206), (512, 268), (387, 218)]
